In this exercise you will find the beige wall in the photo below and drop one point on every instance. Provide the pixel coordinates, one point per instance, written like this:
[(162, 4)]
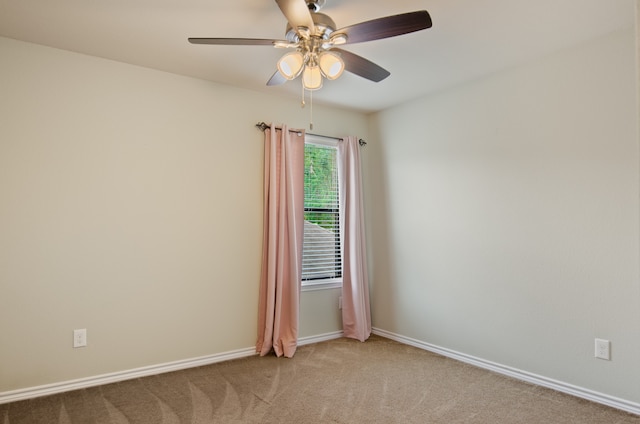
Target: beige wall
[(130, 205), (505, 220)]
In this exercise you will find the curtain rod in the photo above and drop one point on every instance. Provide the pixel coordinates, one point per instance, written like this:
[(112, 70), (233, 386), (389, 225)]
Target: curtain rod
[(262, 126)]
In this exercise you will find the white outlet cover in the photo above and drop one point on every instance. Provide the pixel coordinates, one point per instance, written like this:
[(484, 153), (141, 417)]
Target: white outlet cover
[(603, 349), (80, 337)]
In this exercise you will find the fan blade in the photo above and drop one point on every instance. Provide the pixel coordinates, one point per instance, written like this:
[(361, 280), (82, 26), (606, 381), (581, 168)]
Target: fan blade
[(386, 27), (297, 14), (234, 41), (360, 66), (276, 79)]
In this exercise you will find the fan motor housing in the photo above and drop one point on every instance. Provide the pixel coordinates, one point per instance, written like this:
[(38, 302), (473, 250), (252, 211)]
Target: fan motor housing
[(324, 26)]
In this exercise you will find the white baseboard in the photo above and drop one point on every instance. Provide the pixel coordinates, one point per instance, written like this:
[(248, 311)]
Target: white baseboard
[(83, 383), (319, 338), (560, 386)]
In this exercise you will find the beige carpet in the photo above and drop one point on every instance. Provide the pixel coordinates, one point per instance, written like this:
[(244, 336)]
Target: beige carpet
[(340, 381)]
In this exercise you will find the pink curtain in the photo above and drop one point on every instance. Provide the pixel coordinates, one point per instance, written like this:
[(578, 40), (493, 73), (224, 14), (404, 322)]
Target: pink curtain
[(356, 312), (278, 308)]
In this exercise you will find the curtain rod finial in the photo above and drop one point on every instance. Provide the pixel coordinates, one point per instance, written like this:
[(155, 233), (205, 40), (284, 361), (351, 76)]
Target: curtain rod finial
[(262, 126)]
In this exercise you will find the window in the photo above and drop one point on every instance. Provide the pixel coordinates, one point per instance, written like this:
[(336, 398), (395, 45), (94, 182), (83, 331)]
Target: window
[(321, 259)]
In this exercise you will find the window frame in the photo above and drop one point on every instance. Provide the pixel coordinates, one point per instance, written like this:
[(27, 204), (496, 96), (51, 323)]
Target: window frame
[(324, 283)]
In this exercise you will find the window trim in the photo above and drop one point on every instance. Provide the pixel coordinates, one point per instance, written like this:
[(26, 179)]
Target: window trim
[(325, 283)]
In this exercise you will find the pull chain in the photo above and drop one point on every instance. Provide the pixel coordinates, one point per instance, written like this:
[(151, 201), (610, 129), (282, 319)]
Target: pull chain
[(302, 105), (311, 110)]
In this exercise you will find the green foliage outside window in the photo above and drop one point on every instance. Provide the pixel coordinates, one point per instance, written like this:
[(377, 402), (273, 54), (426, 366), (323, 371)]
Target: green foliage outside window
[(321, 186)]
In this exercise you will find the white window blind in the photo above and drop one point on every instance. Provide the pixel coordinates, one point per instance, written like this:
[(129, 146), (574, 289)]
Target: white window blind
[(321, 247)]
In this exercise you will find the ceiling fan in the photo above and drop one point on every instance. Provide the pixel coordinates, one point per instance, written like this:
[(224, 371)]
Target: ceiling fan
[(313, 39)]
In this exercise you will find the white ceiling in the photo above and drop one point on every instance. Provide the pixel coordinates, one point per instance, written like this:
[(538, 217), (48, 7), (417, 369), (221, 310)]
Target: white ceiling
[(469, 38)]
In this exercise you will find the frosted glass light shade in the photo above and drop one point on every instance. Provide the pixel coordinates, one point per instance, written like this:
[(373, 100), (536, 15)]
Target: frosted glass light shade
[(291, 64), (312, 78), (331, 65)]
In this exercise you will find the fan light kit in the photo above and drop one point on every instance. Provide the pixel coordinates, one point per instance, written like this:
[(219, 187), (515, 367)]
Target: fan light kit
[(313, 67)]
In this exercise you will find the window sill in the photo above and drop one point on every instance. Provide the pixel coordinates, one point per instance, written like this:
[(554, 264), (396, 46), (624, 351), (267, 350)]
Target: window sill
[(321, 285)]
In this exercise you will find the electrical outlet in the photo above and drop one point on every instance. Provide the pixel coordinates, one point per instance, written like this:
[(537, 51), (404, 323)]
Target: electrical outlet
[(603, 349), (80, 337)]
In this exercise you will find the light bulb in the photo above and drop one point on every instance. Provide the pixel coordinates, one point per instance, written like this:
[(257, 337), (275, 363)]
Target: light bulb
[(331, 65), (312, 78), (291, 64)]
